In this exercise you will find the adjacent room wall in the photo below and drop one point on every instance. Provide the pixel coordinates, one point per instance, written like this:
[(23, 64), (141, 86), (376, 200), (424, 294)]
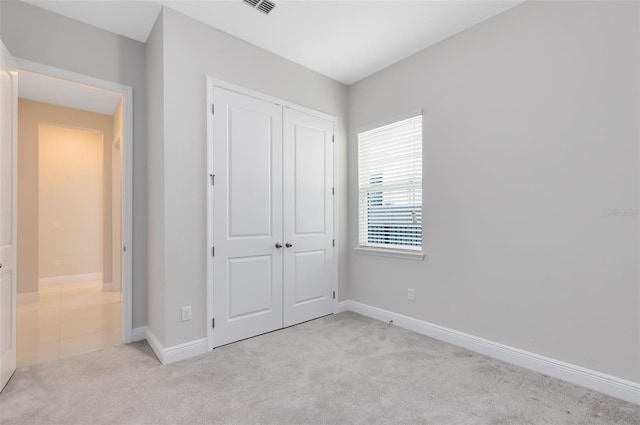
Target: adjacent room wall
[(191, 52), (116, 147), (530, 183), (44, 37), (70, 201), (30, 115)]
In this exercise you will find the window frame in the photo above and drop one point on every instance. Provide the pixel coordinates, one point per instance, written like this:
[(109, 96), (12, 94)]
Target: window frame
[(394, 251)]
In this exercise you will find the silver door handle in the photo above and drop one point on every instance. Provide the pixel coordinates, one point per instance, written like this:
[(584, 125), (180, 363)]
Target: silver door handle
[(278, 245), (288, 244)]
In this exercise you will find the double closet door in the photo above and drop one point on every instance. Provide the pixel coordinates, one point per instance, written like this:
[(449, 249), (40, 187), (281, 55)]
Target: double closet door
[(273, 263)]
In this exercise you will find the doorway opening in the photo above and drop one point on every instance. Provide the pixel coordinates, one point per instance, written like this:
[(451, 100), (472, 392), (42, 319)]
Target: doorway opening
[(73, 271)]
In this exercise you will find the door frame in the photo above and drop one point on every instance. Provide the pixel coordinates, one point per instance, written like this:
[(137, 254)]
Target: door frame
[(127, 174), (8, 358), (215, 82)]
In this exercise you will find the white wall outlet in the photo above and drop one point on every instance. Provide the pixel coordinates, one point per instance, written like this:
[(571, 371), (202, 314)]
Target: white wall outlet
[(411, 296), (186, 313)]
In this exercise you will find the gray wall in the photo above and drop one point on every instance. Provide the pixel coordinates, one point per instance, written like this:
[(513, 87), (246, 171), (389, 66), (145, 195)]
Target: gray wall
[(530, 143), (155, 187), (40, 36), (193, 51)]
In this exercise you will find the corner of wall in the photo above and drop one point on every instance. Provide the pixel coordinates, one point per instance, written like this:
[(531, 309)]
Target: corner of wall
[(154, 54)]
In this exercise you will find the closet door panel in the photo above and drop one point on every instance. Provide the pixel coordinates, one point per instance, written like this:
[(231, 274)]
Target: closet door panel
[(247, 217), (306, 265), (310, 182), (250, 171), (308, 217)]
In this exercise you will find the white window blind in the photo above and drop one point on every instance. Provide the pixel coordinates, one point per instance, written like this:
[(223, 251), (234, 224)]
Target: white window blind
[(390, 185)]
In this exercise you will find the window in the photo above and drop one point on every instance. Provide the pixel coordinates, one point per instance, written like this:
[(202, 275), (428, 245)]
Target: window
[(390, 185)]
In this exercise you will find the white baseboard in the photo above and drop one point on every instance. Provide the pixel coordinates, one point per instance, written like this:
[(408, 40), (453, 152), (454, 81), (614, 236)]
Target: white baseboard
[(27, 297), (176, 352), (139, 334), (154, 344), (342, 307), (110, 286), (607, 384), (56, 280)]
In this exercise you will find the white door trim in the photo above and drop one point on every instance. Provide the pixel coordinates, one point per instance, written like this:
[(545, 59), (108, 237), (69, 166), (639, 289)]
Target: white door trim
[(214, 82), (8, 253), (127, 177)]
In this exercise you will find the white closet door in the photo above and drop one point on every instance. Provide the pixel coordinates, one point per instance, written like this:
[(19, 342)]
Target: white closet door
[(247, 217), (308, 217), (8, 197)]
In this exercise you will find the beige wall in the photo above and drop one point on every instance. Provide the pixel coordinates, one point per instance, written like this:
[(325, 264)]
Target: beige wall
[(30, 115), (70, 201), (116, 147)]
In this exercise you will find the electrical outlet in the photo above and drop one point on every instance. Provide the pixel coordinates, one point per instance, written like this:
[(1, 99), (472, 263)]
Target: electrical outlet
[(186, 313), (411, 296)]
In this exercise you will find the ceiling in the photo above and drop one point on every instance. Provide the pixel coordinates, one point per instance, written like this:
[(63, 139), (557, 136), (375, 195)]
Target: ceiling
[(346, 40), (41, 88)]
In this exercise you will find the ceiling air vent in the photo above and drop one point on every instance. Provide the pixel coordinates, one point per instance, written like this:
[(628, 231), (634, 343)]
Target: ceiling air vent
[(264, 6)]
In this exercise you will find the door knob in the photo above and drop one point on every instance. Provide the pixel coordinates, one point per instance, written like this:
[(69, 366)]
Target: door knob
[(288, 244), (278, 245), (0, 265)]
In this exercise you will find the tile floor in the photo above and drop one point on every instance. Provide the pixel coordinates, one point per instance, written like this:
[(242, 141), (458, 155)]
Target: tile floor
[(69, 319)]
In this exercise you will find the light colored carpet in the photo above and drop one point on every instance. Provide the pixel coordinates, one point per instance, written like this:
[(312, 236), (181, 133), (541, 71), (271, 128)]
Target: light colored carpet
[(341, 369)]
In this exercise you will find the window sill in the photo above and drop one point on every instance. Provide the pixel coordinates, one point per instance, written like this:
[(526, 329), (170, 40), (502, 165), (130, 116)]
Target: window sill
[(391, 253)]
